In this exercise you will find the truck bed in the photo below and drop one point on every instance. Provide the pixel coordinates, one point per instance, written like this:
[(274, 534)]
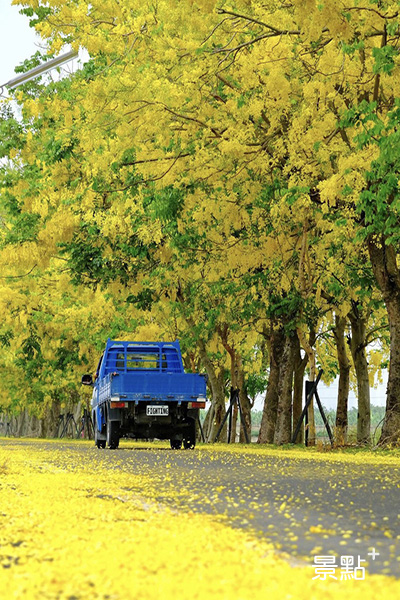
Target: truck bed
[(142, 387)]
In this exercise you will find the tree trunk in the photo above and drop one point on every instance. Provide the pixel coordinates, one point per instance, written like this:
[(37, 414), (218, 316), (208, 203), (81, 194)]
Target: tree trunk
[(308, 347), (246, 405), (283, 430), (270, 408), (238, 383), (223, 333), (357, 345), (216, 383), (344, 380), (298, 385), (383, 260), (219, 409), (391, 425), (234, 424), (207, 425)]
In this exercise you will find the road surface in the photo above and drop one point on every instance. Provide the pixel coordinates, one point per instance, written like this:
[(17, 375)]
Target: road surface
[(306, 507)]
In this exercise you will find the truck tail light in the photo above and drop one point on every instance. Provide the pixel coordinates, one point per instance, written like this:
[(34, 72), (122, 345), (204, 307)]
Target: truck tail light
[(118, 404), (196, 404)]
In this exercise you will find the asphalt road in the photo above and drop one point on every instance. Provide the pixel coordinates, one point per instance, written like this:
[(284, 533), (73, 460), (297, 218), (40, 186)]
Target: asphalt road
[(304, 507)]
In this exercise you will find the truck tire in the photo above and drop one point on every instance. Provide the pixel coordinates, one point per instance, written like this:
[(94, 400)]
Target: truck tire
[(189, 441), (99, 443), (189, 444), (113, 434), (175, 444), (99, 440)]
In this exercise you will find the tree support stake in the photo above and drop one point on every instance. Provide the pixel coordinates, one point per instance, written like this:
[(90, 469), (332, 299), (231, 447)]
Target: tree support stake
[(233, 400), (311, 391)]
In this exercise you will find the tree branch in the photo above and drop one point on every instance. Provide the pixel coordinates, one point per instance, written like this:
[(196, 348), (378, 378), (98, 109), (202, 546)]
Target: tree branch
[(19, 276), (222, 11)]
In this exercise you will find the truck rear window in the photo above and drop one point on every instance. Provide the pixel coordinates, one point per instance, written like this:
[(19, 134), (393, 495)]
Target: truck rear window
[(136, 360)]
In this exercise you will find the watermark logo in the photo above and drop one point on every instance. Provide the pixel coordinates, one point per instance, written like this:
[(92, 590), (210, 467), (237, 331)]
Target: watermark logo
[(350, 568)]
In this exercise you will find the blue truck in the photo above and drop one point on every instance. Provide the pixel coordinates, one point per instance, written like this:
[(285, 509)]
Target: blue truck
[(140, 390)]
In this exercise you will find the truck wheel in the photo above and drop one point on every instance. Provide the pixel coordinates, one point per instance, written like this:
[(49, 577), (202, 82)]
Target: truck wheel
[(175, 444), (113, 434), (189, 441), (100, 443), (189, 444)]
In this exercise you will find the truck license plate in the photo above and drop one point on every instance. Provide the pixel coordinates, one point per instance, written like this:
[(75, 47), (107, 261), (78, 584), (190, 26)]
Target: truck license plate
[(157, 411)]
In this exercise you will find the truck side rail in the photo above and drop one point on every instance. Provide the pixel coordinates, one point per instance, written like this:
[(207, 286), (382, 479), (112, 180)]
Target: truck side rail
[(138, 387)]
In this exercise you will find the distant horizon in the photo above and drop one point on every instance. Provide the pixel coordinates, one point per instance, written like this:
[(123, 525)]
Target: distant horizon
[(328, 394), (327, 408)]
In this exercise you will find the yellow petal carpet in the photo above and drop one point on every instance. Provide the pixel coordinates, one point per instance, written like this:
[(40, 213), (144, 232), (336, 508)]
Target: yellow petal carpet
[(72, 530)]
